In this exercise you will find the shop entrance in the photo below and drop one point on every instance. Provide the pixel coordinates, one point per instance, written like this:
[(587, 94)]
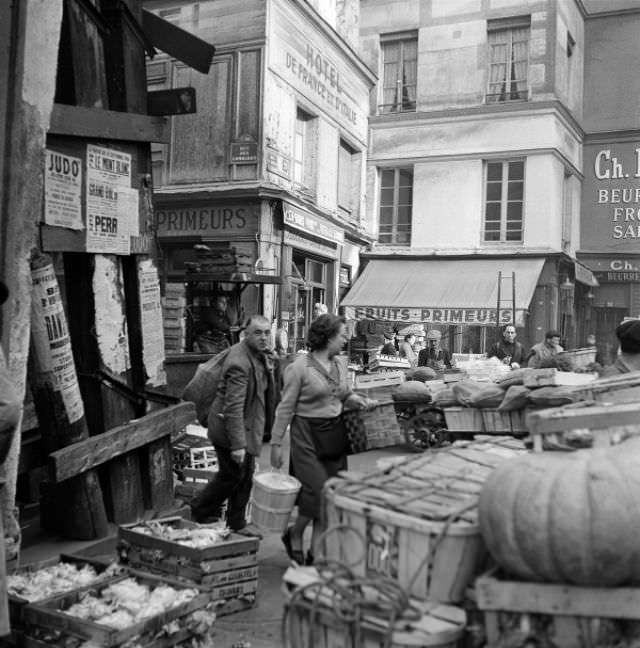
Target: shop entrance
[(606, 322)]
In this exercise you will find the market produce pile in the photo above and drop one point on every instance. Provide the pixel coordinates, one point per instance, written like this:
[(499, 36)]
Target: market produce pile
[(198, 536), (126, 602), (62, 577)]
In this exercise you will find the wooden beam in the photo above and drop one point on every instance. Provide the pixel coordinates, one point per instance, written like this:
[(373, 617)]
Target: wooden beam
[(96, 123), (79, 457)]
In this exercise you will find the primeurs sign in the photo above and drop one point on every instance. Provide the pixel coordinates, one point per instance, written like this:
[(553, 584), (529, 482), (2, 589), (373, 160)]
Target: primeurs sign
[(209, 220), (469, 316), (611, 198)]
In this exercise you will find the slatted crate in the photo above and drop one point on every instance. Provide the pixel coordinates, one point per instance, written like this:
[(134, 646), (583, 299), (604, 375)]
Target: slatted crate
[(17, 603), (47, 624), (416, 521), (228, 571), (518, 613), (463, 419)]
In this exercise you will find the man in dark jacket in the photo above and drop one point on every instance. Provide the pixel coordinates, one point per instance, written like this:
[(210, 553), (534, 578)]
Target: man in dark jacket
[(434, 355), (508, 350), (241, 412)]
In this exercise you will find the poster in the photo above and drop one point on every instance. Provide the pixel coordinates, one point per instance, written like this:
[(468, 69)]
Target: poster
[(52, 342), (62, 190), (110, 201), (151, 322)]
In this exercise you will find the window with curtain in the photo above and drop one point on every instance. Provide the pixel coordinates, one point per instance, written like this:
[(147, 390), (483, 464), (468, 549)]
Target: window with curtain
[(504, 202), (304, 150), (396, 204), (399, 74), (508, 61)]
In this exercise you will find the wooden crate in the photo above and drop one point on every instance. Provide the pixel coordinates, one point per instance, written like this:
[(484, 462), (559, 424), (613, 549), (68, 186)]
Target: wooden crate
[(313, 618), (606, 424), (47, 620), (551, 377), (463, 419), (377, 428), (227, 571), (498, 422), (17, 603), (416, 521), (558, 615), (623, 388)]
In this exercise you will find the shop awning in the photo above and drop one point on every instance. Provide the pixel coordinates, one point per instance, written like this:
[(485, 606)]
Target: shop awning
[(585, 276), (442, 291)]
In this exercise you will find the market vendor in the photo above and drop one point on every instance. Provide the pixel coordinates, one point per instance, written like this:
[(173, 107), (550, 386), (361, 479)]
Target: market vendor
[(508, 350), (544, 352), (434, 355), (215, 324), (628, 334)]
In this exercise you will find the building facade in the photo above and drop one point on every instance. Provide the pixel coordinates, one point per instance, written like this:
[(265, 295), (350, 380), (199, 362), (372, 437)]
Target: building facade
[(475, 167), (272, 164), (610, 232)]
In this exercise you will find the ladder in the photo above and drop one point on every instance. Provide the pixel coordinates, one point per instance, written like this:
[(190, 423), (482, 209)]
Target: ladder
[(505, 300)]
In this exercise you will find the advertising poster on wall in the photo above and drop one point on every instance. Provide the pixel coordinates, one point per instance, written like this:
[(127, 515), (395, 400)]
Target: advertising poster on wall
[(110, 201), (151, 322), (62, 190)]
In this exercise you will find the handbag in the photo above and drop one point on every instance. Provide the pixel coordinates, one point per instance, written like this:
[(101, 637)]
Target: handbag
[(329, 437)]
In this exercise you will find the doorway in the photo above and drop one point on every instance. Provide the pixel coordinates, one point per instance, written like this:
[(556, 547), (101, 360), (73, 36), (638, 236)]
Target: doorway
[(606, 322)]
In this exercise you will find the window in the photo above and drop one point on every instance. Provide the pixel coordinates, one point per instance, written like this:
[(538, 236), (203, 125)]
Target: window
[(396, 201), (504, 201), (399, 74), (348, 180), (304, 150), (508, 60)]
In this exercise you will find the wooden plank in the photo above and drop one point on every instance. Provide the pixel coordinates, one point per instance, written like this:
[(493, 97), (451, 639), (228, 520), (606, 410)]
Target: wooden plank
[(592, 418), (157, 475), (549, 598), (96, 450), (96, 123), (123, 493)]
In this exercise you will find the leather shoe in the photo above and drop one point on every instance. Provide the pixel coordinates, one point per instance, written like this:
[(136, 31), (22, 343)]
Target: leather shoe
[(250, 531), (286, 541)]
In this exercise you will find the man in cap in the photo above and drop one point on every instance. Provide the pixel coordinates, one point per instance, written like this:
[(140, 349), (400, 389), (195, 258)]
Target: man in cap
[(628, 334), (544, 352), (433, 355)]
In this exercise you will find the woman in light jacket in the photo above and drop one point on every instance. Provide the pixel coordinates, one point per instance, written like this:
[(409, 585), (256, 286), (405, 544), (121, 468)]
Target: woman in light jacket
[(316, 388)]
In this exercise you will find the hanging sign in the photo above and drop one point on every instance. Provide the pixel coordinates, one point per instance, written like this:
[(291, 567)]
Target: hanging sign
[(62, 190), (51, 340), (112, 205)]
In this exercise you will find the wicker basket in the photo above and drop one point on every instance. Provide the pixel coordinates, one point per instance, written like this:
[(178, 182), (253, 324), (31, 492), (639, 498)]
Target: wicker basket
[(580, 358), (463, 419), (377, 428)]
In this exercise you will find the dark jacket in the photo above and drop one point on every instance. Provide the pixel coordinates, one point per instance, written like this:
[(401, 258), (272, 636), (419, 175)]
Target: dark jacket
[(243, 408), (437, 359), (502, 349)]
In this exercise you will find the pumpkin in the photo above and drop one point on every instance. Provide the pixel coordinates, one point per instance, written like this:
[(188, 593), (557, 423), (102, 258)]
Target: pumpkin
[(569, 517)]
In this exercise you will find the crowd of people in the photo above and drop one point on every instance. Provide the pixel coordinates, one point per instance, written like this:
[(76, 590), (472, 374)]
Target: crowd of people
[(256, 401)]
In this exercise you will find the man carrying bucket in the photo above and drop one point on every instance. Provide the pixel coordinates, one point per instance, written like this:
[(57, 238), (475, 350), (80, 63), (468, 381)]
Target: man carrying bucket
[(248, 393)]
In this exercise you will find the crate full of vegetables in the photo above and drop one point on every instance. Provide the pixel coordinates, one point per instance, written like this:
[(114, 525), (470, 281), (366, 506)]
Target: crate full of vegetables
[(134, 609), (210, 556)]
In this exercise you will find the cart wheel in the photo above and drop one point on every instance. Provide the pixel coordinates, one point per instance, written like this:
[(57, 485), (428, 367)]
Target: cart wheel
[(425, 430)]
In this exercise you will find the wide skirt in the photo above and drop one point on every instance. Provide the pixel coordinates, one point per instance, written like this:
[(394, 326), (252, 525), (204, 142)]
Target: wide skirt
[(309, 470)]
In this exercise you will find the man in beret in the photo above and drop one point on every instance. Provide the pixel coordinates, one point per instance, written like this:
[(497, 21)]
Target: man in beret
[(628, 334)]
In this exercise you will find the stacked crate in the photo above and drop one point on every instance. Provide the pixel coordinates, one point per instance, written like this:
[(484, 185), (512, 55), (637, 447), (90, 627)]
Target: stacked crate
[(174, 304)]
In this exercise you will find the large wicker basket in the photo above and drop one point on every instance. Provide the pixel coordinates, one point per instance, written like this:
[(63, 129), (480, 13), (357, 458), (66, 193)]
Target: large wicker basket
[(376, 428)]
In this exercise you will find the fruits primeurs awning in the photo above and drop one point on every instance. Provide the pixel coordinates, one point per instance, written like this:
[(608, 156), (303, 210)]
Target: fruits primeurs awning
[(443, 291)]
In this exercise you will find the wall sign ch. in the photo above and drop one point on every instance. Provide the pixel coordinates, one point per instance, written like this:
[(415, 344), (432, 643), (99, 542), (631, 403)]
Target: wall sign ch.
[(611, 197)]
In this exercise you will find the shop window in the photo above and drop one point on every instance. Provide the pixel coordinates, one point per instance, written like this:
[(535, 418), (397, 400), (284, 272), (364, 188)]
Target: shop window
[(504, 201), (348, 180), (304, 150), (399, 72), (309, 282), (508, 59), (396, 204)]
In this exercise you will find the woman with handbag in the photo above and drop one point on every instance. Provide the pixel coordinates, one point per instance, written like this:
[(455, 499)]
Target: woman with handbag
[(316, 388)]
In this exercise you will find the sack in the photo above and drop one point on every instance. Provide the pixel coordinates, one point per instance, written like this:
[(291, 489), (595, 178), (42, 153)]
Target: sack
[(516, 398), (488, 397), (329, 437), (203, 387), (411, 391)]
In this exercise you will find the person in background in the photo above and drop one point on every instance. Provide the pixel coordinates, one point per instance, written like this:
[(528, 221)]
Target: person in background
[(319, 309), (215, 325), (628, 334), (316, 389), (389, 348), (406, 349), (592, 343), (508, 350), (240, 414), (545, 351), (434, 355)]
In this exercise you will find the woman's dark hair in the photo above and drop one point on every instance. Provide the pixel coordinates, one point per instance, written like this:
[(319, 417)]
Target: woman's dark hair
[(322, 329)]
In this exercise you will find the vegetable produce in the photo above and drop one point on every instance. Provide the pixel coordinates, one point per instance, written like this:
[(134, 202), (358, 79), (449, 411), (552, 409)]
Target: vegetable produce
[(196, 537), (570, 517)]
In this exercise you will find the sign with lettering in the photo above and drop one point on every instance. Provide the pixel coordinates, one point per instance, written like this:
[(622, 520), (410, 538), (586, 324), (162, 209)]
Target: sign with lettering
[(212, 221), (615, 270), (469, 316), (62, 190), (318, 69), (244, 152), (307, 222), (611, 197)]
